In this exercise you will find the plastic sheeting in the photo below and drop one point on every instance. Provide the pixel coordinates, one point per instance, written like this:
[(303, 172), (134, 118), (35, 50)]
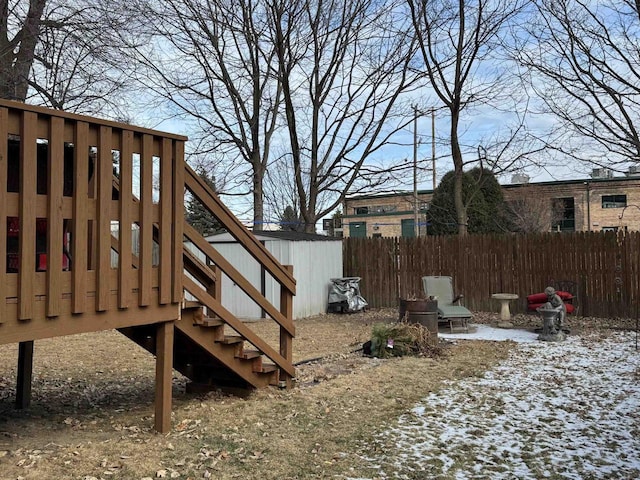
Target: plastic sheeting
[(344, 295)]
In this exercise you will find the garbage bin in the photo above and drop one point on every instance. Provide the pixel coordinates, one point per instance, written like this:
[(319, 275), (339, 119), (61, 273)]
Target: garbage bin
[(344, 295)]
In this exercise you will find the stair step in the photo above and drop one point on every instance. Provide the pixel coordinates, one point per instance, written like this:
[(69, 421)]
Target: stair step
[(211, 322), (268, 368), (254, 356), (249, 354), (189, 304), (231, 340)]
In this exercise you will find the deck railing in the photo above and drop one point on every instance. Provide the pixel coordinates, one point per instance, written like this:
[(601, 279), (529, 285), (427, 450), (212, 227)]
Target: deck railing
[(60, 213), (92, 232)]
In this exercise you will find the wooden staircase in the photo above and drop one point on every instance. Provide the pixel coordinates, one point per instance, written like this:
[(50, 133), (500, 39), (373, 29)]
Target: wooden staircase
[(206, 355), (213, 346), (210, 349)]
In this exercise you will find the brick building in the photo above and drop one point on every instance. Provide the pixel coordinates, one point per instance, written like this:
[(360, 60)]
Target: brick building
[(600, 203)]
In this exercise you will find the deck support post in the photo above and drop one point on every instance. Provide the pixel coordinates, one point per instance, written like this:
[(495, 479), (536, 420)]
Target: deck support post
[(25, 374), (286, 342), (164, 371)]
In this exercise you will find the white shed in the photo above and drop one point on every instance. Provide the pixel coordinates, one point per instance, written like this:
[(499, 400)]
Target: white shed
[(316, 259)]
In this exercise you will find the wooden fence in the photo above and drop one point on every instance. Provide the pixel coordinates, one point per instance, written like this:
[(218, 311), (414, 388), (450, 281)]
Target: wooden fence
[(604, 266)]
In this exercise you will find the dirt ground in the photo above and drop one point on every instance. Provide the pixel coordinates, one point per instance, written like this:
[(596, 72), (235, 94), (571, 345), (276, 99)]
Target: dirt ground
[(92, 408)]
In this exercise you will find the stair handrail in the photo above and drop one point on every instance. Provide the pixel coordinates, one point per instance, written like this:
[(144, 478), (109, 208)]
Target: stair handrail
[(223, 264), (214, 205), (282, 274)]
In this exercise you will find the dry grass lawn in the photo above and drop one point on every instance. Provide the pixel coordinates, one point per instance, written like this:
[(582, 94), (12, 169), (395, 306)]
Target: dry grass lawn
[(92, 409)]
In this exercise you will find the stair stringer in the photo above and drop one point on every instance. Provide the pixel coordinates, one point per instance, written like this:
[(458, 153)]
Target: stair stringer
[(227, 355), (238, 326)]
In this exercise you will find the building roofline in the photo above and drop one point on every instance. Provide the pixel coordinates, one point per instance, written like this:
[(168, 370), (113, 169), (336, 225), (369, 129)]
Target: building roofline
[(385, 214), (280, 235), (573, 182), (505, 185), (387, 195)]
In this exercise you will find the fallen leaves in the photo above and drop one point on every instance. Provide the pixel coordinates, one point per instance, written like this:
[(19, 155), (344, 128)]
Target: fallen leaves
[(102, 419)]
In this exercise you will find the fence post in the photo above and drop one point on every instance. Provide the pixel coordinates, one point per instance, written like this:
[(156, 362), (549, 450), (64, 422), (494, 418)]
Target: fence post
[(286, 340)]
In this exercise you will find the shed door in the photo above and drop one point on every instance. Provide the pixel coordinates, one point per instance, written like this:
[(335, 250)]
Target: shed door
[(358, 229), (408, 227)]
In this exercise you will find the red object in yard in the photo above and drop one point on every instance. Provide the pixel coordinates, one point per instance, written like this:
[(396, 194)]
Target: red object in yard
[(536, 300), (542, 297), (534, 306)]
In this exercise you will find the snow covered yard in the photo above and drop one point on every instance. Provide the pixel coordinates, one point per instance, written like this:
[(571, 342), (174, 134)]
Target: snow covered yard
[(567, 410)]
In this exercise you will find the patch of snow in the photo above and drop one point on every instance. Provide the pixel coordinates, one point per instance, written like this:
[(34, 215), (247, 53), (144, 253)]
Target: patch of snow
[(566, 410), (486, 332)]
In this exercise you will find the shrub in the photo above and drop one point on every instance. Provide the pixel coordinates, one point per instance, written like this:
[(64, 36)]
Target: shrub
[(402, 338)]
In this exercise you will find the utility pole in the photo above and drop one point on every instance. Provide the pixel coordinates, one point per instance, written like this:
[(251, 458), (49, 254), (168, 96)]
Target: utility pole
[(415, 172), (433, 146), (416, 202)]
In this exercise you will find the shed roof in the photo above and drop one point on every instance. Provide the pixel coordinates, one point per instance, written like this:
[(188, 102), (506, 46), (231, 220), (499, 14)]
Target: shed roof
[(281, 235)]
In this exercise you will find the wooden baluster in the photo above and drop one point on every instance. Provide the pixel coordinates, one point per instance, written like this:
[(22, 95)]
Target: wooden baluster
[(125, 196), (146, 222), (79, 227), (178, 219), (286, 340), (103, 244), (166, 209), (215, 288), (4, 165), (54, 221), (28, 182)]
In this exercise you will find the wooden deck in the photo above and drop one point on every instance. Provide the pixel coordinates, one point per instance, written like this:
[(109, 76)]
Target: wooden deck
[(73, 184)]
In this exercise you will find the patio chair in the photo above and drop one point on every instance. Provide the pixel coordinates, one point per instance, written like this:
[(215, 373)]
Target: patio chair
[(449, 308)]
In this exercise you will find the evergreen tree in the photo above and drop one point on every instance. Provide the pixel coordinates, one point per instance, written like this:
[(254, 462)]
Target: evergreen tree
[(482, 195), (336, 220), (198, 216), (290, 220)]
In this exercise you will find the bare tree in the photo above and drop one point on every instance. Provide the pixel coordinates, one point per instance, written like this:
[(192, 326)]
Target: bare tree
[(459, 44), (213, 61), (344, 66), (78, 66), (60, 54), (532, 212), (20, 27), (584, 62), (280, 189)]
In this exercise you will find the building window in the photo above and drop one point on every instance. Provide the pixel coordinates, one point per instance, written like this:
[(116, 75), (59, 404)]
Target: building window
[(384, 208), (614, 201), (565, 213), (375, 209), (609, 229), (377, 235)]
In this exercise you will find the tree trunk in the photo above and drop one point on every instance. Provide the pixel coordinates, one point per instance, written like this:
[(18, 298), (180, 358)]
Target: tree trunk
[(258, 198), (310, 225), (456, 154), (16, 63)]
